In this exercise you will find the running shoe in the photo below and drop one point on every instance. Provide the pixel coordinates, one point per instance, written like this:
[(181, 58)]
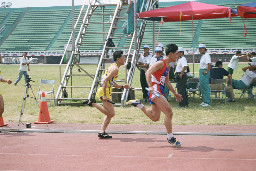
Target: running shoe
[(202, 103), (205, 105), (133, 102), (174, 142), (89, 102), (104, 135)]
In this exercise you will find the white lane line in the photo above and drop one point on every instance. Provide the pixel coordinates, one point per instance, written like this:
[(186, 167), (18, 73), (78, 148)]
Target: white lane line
[(22, 154), (171, 156)]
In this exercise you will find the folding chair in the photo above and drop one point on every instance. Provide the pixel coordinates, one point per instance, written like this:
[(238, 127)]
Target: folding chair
[(243, 91), (193, 87), (46, 84), (218, 89)]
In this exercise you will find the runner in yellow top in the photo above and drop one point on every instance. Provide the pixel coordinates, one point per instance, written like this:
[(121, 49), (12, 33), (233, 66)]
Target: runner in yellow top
[(104, 93), (1, 97), (110, 84)]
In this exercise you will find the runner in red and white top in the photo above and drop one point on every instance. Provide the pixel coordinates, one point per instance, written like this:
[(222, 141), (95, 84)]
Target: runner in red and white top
[(157, 75), (158, 80)]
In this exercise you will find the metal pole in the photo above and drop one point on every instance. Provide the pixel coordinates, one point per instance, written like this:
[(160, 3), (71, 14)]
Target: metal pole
[(103, 25), (73, 26), (135, 26), (193, 46), (154, 35), (73, 35)]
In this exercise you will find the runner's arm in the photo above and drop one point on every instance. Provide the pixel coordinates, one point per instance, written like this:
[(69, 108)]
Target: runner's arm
[(6, 80), (112, 73)]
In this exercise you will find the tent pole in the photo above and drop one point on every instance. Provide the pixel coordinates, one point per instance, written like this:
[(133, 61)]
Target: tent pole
[(154, 35), (193, 46), (135, 26)]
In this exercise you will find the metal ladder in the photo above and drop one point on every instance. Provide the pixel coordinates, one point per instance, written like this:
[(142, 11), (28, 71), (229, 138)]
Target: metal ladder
[(149, 6), (115, 25), (67, 80), (101, 65)]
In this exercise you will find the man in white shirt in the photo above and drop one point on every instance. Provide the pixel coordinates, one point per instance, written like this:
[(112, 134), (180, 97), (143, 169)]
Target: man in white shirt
[(143, 63), (234, 62), (204, 75), (181, 77), (252, 59), (247, 79), (157, 56), (24, 65)]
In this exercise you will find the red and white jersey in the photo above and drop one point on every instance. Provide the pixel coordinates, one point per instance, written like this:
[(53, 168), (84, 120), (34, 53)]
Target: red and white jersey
[(158, 78)]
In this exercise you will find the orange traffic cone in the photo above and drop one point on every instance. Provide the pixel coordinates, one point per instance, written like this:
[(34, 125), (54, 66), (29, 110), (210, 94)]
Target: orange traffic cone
[(2, 122), (44, 117)]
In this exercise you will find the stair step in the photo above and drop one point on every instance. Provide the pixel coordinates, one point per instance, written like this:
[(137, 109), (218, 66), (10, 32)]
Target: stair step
[(80, 75), (72, 98), (117, 92), (117, 47), (76, 86), (118, 27), (102, 14), (121, 17), (97, 23), (96, 32), (83, 64), (121, 37), (103, 5), (94, 43)]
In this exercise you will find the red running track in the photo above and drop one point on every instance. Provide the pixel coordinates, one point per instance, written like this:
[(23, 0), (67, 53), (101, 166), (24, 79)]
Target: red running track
[(60, 151)]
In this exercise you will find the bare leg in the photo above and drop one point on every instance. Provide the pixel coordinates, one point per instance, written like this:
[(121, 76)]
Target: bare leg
[(1, 105), (165, 107), (108, 110), (153, 113)]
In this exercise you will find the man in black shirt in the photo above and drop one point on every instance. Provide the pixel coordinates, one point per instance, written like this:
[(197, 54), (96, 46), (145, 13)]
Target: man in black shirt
[(218, 72)]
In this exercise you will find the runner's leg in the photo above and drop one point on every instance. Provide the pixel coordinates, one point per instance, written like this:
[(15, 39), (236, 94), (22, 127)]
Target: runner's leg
[(1, 105), (108, 110), (153, 113), (165, 107)]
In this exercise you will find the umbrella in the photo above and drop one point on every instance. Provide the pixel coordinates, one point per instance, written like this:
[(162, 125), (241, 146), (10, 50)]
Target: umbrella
[(188, 11)]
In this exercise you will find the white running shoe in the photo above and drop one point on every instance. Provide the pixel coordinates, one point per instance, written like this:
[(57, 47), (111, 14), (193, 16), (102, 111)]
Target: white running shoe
[(202, 103), (205, 105)]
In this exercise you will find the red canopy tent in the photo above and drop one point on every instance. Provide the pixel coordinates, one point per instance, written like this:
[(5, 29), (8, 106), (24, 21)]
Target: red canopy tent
[(188, 11), (247, 11)]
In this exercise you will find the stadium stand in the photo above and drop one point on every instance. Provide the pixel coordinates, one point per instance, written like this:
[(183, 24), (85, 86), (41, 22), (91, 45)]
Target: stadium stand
[(49, 28)]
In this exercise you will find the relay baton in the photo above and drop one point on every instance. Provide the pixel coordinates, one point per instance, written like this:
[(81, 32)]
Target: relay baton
[(156, 94)]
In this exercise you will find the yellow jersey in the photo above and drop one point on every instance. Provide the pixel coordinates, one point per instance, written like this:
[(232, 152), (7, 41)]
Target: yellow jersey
[(110, 84)]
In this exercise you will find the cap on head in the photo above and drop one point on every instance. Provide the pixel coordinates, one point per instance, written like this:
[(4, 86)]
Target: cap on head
[(201, 46), (146, 47), (159, 49), (181, 49), (254, 59), (238, 52), (160, 45)]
